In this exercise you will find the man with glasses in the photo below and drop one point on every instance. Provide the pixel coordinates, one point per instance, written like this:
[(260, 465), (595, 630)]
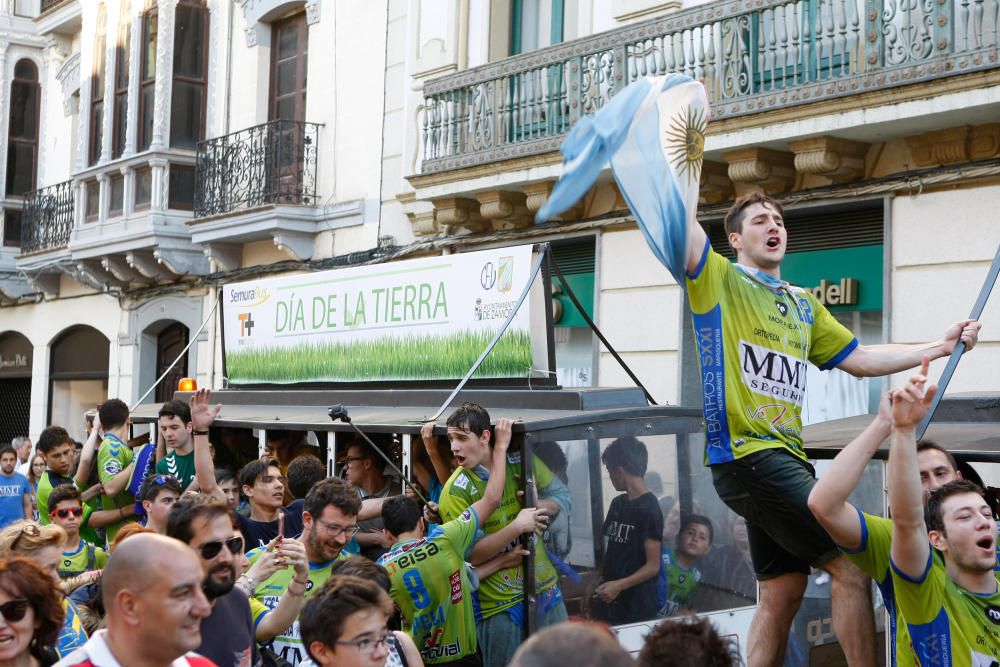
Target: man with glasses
[(330, 520), (365, 469), (344, 625)]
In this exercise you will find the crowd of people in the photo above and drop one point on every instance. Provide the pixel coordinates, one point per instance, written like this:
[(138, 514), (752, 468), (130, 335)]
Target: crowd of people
[(150, 554)]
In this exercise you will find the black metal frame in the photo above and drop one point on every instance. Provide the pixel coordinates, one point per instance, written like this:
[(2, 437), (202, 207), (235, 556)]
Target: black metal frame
[(271, 163), (47, 218)]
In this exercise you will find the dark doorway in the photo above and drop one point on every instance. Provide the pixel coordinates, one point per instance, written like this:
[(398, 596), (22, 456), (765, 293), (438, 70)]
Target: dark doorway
[(15, 385), (169, 344)]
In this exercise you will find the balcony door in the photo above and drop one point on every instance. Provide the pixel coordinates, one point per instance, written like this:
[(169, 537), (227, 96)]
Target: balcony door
[(287, 140)]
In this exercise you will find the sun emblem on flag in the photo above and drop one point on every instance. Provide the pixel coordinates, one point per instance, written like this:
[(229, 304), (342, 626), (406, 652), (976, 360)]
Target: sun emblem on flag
[(686, 142)]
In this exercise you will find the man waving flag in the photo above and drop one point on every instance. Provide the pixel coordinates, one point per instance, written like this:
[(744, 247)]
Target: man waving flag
[(755, 334), (653, 132)]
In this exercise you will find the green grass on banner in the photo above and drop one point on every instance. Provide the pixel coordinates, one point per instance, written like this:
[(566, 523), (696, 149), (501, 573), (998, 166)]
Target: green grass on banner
[(387, 358)]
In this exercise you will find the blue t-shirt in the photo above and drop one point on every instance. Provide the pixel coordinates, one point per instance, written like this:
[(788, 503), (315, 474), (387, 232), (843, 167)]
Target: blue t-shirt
[(12, 492)]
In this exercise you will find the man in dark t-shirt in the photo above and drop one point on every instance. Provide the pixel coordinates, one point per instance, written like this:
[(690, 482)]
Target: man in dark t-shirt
[(264, 486), (633, 532), (207, 525)]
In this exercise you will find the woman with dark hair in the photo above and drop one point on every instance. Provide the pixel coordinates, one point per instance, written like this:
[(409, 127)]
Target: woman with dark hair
[(44, 546), (31, 614)]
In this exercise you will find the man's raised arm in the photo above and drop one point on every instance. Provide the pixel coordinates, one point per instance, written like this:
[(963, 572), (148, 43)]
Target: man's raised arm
[(203, 414), (879, 360), (910, 548), (828, 499)]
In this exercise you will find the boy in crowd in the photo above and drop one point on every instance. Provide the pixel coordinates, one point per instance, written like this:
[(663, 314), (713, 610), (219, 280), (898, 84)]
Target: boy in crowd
[(951, 605), (15, 489), (264, 487), (430, 584), (680, 575), (501, 593), (304, 472), (344, 625), (633, 531), (175, 448), (115, 457), (158, 495), (68, 513)]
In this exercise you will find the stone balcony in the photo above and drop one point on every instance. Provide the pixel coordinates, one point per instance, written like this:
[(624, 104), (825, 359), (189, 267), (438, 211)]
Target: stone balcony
[(489, 136)]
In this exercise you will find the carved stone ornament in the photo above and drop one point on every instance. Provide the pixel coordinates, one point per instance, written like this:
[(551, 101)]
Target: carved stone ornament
[(985, 141), (419, 213), (715, 186), (453, 213), (68, 77), (948, 146), (838, 159), (771, 170), (256, 13), (536, 194), (504, 209)]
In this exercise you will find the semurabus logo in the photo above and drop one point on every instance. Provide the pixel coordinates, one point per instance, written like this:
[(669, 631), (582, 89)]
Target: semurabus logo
[(771, 373), (249, 296)]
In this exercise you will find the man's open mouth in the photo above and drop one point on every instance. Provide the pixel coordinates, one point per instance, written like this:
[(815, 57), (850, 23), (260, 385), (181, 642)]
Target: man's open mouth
[(773, 242)]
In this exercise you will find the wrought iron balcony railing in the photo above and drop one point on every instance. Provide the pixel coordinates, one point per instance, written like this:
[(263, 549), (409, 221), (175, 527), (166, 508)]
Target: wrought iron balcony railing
[(273, 163), (753, 55), (49, 4), (47, 218)]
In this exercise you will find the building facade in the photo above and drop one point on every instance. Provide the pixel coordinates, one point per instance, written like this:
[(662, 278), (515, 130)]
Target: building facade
[(156, 149)]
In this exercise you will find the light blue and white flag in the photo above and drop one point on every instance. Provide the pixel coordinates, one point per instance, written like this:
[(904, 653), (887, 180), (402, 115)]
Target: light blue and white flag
[(653, 132)]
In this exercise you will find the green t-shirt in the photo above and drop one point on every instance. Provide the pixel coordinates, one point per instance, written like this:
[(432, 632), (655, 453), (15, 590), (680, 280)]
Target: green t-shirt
[(84, 558), (289, 643), (504, 588), (430, 585), (872, 558), (949, 626), (113, 457), (180, 466), (681, 583), (753, 343)]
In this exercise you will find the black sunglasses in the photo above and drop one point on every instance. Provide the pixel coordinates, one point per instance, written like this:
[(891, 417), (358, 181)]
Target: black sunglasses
[(210, 550), (14, 610)]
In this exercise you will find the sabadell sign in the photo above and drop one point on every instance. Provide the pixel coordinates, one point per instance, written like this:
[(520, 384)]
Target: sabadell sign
[(410, 320)]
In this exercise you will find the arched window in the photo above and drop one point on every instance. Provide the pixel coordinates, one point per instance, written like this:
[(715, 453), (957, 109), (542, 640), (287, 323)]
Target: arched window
[(187, 112), (97, 87), (122, 59), (147, 74), (22, 135)]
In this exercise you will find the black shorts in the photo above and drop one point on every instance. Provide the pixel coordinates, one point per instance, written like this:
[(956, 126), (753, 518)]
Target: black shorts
[(770, 489)]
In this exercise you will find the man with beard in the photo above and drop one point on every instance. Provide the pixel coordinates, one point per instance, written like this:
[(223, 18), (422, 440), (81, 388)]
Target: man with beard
[(207, 526), (329, 520)]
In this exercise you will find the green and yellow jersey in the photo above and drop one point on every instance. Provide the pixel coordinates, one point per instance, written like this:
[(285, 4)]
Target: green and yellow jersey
[(48, 481), (431, 587), (948, 625), (754, 335), (872, 558), (505, 588), (289, 643), (113, 457), (677, 584), (84, 558)]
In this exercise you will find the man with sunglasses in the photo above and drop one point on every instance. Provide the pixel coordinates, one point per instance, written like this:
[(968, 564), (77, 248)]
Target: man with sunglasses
[(207, 525), (68, 513)]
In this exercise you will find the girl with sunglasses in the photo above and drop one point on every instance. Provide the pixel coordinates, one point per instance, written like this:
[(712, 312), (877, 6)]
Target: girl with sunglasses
[(31, 614)]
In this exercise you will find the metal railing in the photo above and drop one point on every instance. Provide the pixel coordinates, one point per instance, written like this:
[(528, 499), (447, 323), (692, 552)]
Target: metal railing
[(753, 56), (273, 163), (47, 218), (49, 4)]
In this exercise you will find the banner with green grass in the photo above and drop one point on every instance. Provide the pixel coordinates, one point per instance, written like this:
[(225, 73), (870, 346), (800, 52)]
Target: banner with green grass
[(422, 319)]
